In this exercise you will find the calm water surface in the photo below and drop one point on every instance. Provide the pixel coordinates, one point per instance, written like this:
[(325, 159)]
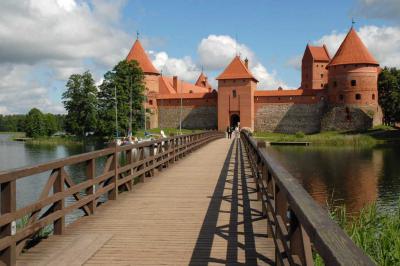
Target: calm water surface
[(14, 154), (348, 175)]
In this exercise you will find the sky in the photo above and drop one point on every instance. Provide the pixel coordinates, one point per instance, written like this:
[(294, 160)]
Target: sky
[(43, 42)]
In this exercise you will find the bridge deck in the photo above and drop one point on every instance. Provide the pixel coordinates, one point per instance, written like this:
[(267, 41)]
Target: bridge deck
[(200, 211)]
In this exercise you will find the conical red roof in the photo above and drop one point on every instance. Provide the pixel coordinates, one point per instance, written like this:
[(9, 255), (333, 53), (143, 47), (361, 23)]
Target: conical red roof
[(236, 70), (352, 51), (137, 53), (202, 81)]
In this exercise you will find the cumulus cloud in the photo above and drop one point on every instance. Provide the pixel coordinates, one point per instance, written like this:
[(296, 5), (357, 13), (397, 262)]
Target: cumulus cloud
[(383, 42), (381, 9), (295, 62), (19, 93), (216, 51), (184, 67), (61, 36)]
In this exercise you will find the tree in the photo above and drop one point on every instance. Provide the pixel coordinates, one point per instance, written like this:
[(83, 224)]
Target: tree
[(80, 101), (127, 80), (51, 125), (35, 125), (389, 94)]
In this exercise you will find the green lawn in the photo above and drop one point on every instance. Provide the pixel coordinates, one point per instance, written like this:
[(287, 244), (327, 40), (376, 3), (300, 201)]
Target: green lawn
[(167, 131), (370, 137)]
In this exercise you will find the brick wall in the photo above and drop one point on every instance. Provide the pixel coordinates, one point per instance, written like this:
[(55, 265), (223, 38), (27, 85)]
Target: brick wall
[(289, 117), (193, 117)]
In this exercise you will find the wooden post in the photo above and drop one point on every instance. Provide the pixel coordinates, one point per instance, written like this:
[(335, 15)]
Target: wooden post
[(151, 163), (8, 205), (58, 186), (113, 194), (91, 173), (299, 241), (129, 158)]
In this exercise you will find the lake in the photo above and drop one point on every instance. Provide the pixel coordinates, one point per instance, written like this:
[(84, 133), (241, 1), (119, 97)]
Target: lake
[(352, 176)]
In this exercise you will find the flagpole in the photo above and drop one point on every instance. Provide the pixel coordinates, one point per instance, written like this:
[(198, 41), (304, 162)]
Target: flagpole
[(180, 115), (116, 111)]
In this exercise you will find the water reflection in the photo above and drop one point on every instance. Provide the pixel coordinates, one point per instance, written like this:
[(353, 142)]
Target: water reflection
[(353, 176)]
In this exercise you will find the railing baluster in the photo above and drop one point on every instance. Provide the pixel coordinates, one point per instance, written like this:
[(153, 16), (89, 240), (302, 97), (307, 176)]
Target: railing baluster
[(58, 186), (113, 194), (8, 205), (91, 173)]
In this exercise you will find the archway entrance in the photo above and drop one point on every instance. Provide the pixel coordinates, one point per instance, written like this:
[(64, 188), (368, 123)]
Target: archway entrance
[(235, 120)]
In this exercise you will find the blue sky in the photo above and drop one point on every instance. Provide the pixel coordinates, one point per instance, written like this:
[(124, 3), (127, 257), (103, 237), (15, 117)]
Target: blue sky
[(45, 41)]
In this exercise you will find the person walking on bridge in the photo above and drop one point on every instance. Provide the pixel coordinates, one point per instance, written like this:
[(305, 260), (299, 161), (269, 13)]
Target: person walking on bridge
[(228, 132)]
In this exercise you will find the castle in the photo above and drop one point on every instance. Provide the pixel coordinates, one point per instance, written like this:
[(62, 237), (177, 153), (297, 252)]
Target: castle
[(338, 93)]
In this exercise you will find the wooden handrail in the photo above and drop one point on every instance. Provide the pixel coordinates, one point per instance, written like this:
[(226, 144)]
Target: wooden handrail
[(295, 221), (116, 177)]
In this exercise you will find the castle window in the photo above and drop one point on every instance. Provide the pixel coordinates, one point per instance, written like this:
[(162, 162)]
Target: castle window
[(373, 96), (335, 83), (322, 85), (190, 91), (358, 96), (341, 97), (151, 102), (234, 93), (317, 65), (322, 75), (353, 82)]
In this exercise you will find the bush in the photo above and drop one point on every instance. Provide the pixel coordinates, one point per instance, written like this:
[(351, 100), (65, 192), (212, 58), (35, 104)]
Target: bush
[(300, 135)]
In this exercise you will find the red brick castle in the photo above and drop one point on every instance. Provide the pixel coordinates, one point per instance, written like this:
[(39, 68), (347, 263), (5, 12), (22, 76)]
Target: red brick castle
[(338, 93)]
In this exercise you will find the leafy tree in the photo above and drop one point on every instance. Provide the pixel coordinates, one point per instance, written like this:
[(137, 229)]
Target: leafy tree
[(126, 79), (51, 124), (35, 124), (80, 101), (14, 123), (389, 94)]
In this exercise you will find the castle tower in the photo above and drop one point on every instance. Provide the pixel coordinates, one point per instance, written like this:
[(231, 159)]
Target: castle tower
[(236, 86), (353, 85), (202, 81), (314, 74), (151, 79)]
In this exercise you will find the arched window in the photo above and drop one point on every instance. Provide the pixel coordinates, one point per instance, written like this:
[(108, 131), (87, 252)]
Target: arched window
[(358, 96), (353, 82), (373, 96), (234, 93), (341, 97)]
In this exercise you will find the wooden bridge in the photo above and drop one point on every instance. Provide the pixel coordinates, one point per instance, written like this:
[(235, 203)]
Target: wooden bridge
[(197, 199)]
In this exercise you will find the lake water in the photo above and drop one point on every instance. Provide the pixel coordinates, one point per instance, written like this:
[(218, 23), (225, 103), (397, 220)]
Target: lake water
[(346, 174), (353, 176)]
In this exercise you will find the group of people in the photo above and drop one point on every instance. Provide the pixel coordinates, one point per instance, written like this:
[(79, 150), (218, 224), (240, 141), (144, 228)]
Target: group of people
[(234, 130)]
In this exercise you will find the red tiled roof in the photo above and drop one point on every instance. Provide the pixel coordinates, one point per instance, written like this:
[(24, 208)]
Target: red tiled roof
[(202, 81), (137, 53), (352, 51), (319, 53), (166, 86), (236, 70)]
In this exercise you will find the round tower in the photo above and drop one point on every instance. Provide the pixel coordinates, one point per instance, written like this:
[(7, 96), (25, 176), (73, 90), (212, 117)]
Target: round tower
[(352, 87)]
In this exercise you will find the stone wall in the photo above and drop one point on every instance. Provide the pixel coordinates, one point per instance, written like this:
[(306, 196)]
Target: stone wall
[(351, 118), (289, 117), (193, 117)]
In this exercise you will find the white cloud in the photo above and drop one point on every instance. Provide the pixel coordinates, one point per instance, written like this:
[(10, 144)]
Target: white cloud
[(383, 42), (61, 36), (184, 67), (18, 93), (381, 9), (216, 51)]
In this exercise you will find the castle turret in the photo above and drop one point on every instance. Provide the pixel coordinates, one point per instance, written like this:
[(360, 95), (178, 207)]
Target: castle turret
[(353, 74), (236, 86), (352, 87), (151, 79), (314, 74)]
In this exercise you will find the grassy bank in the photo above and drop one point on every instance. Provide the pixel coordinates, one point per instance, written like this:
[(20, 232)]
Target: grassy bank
[(13, 135), (375, 232), (377, 135), (59, 140)]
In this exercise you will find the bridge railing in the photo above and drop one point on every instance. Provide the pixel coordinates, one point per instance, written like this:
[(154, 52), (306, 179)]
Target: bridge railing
[(296, 222), (118, 169)]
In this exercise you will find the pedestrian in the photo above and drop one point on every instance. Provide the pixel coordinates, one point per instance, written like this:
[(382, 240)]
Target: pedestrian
[(227, 132)]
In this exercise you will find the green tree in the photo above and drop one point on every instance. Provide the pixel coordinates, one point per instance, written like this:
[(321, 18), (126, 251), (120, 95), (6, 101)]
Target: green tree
[(35, 124), (51, 125), (389, 94), (80, 101), (127, 80)]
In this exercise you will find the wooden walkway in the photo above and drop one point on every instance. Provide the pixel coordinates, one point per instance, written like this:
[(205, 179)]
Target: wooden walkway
[(200, 211)]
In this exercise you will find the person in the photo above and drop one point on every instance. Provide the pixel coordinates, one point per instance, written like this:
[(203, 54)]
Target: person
[(236, 132), (227, 132)]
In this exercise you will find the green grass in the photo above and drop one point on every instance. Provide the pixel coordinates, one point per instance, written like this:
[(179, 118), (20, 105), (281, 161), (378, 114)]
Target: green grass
[(59, 140), (14, 135), (376, 233), (377, 135)]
